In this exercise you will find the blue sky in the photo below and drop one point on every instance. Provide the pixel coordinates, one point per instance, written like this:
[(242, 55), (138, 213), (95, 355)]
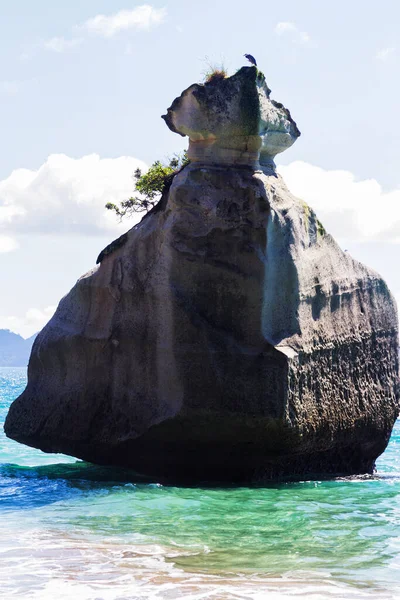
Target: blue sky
[(91, 79)]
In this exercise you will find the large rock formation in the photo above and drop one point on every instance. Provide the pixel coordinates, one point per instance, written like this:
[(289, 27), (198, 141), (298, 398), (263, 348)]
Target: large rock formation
[(226, 336)]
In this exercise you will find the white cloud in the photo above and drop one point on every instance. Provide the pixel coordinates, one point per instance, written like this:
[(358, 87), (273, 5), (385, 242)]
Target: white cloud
[(288, 27), (349, 209), (31, 322), (144, 17), (10, 88), (7, 244), (60, 44), (285, 26), (141, 17), (304, 37), (67, 195), (385, 53)]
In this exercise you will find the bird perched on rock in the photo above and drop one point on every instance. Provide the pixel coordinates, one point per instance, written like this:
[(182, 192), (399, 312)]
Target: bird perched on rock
[(251, 59)]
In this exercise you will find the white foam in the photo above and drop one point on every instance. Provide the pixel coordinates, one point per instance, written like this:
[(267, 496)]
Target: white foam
[(52, 564)]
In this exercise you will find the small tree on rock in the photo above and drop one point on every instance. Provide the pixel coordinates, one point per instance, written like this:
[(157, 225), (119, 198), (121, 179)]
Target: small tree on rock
[(150, 186)]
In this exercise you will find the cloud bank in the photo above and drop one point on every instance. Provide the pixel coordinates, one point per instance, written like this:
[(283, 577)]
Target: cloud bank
[(349, 209), (66, 196)]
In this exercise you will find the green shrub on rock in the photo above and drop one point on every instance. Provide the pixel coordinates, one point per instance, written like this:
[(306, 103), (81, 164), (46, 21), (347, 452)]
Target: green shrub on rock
[(150, 186)]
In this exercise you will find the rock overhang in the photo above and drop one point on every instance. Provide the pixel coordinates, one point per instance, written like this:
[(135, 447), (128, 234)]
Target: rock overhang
[(233, 121)]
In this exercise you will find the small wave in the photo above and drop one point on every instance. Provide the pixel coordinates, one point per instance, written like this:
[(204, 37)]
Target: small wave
[(62, 566)]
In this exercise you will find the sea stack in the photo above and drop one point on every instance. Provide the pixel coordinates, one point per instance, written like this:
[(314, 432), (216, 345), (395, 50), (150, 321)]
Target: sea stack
[(226, 337)]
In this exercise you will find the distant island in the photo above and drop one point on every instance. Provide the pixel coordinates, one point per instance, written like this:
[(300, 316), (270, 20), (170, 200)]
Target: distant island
[(14, 349)]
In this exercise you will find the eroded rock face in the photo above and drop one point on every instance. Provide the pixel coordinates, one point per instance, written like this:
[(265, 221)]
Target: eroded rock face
[(226, 337), (233, 121)]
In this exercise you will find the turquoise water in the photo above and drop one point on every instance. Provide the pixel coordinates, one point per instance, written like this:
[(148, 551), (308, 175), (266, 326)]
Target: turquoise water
[(73, 530)]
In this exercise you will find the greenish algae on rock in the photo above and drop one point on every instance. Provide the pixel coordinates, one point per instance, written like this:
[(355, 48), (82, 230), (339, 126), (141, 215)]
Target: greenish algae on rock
[(226, 337)]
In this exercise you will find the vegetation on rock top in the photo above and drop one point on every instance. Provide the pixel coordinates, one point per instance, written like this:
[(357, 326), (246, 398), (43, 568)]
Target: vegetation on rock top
[(215, 75)]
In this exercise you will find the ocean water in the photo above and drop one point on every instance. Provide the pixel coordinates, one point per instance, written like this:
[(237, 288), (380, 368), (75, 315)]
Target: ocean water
[(71, 530)]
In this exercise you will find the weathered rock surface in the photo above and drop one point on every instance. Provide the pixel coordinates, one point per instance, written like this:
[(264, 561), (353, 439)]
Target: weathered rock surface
[(233, 121), (227, 336)]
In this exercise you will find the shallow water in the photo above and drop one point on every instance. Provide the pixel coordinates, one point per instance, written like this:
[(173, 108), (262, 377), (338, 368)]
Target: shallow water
[(69, 529)]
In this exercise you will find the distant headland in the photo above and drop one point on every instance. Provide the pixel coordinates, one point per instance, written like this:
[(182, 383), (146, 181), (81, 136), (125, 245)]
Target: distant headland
[(14, 349)]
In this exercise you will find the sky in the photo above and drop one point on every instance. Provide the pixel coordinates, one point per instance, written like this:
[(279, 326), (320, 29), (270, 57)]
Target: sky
[(82, 89)]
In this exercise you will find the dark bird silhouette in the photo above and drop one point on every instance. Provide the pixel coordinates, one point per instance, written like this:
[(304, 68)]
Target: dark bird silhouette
[(251, 59)]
